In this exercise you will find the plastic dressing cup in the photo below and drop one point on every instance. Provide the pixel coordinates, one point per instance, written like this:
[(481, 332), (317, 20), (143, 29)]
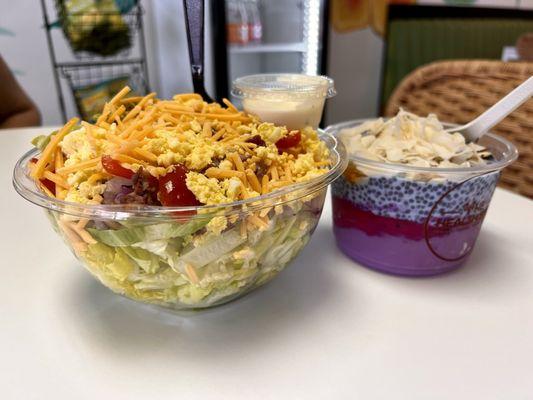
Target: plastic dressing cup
[(413, 221), (290, 100)]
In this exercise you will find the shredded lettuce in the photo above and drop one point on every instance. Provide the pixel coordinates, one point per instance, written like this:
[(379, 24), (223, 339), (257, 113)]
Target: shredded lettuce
[(42, 141), (212, 249), (148, 233), (147, 261), (153, 263)]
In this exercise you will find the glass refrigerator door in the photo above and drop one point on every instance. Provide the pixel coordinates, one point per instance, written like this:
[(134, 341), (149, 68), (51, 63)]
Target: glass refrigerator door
[(266, 36)]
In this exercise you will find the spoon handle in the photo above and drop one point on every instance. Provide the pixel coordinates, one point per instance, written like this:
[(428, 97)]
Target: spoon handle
[(500, 110), (194, 17)]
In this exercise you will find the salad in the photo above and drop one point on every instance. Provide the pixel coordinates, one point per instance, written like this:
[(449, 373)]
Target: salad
[(201, 165)]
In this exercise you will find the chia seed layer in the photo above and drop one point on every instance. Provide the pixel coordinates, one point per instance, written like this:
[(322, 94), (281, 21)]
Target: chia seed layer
[(410, 200)]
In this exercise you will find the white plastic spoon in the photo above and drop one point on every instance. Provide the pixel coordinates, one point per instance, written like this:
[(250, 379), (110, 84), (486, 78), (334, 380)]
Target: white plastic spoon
[(482, 124)]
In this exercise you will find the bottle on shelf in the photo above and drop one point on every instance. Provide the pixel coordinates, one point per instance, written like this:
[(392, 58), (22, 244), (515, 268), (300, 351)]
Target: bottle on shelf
[(237, 22), (255, 27)]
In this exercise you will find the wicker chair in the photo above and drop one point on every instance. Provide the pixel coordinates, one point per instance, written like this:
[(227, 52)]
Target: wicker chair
[(458, 91)]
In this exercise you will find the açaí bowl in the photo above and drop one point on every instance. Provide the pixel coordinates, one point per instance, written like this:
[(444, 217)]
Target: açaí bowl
[(193, 270), (413, 221)]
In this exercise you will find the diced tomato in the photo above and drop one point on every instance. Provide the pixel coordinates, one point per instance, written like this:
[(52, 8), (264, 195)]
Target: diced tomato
[(291, 140), (114, 168), (51, 186), (173, 190)]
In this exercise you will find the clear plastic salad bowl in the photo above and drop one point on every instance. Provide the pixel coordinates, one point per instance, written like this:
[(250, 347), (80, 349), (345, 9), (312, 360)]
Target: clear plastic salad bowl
[(163, 255)]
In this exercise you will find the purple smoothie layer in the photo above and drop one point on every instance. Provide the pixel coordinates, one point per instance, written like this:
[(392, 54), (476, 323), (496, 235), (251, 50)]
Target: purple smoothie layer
[(399, 247), (410, 227)]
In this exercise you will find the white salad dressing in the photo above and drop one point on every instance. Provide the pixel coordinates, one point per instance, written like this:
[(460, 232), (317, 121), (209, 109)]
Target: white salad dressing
[(291, 100), (294, 114)]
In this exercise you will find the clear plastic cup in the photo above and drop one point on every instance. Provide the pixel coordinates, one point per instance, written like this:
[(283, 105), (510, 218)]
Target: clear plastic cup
[(290, 100), (413, 221)]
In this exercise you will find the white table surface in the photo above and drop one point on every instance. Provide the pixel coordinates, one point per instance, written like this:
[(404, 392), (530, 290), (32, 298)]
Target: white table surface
[(326, 328)]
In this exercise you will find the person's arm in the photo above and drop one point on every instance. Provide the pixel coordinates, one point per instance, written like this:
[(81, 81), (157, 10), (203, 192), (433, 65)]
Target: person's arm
[(16, 108)]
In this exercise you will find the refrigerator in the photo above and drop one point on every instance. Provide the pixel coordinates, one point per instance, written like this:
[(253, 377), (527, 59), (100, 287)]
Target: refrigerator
[(291, 37)]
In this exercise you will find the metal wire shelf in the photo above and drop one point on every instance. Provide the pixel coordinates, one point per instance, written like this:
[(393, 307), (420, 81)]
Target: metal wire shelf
[(96, 34), (108, 77), (93, 69)]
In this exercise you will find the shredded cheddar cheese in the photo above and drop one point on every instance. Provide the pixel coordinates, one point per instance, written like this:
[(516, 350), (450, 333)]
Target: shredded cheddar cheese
[(230, 155)]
